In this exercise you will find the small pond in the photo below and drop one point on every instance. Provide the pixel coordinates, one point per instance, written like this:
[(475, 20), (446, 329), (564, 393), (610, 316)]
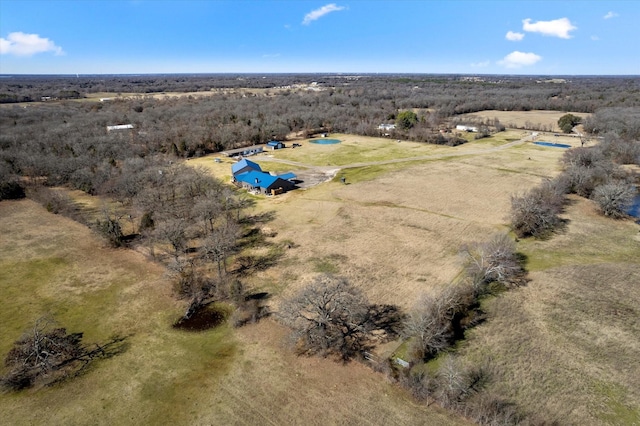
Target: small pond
[(325, 141), (634, 210), (551, 144)]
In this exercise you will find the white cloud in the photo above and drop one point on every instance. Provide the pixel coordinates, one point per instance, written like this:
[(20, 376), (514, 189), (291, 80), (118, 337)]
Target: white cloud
[(556, 28), (319, 13), (271, 55), (480, 64), (610, 15), (519, 59), (21, 44), (513, 36), (595, 38)]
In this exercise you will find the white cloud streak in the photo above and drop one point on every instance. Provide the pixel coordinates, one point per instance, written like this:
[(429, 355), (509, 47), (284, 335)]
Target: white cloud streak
[(319, 13), (518, 59), (513, 36), (21, 44), (610, 15), (482, 64), (555, 28)]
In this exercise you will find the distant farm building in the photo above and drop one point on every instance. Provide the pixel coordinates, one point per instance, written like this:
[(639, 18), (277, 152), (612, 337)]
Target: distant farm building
[(275, 145), (120, 127), (243, 152), (387, 127), (249, 175), (466, 128)]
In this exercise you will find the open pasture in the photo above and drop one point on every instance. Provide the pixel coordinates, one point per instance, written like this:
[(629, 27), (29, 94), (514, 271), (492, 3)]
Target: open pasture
[(395, 230), (525, 119), (566, 342), (52, 265)]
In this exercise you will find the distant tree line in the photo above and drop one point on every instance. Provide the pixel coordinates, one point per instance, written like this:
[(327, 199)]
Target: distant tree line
[(451, 94)]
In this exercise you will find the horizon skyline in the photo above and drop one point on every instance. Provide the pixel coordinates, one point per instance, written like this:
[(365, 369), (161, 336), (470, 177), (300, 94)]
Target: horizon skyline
[(562, 38)]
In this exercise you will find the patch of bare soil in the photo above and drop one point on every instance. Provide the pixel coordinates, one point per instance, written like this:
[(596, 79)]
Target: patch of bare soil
[(314, 176)]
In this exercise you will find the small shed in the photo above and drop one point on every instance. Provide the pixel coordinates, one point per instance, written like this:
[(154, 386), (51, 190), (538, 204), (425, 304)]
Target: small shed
[(275, 145)]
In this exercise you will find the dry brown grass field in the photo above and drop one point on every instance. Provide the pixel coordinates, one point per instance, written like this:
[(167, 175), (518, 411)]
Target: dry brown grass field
[(524, 119), (566, 345), (51, 264)]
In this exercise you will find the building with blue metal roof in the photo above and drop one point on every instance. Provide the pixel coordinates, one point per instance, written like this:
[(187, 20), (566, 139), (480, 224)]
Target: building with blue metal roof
[(243, 166), (264, 183), (250, 176), (275, 145)]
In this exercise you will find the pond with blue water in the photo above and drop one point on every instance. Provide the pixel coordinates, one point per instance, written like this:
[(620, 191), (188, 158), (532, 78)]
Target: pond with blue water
[(634, 210), (325, 141), (552, 144)]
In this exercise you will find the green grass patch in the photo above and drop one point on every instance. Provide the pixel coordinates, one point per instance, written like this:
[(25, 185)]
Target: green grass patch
[(20, 283), (361, 174), (617, 412), (329, 264), (276, 167), (540, 259), (357, 149)]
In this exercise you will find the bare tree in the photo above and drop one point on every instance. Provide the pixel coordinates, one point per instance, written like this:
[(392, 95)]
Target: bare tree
[(328, 317), (535, 213), (493, 261), (110, 227), (614, 198), (173, 231), (47, 353), (219, 244), (431, 324)]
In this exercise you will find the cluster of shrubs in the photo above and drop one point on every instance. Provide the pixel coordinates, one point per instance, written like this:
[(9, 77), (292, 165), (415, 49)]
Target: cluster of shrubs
[(590, 172), (436, 323)]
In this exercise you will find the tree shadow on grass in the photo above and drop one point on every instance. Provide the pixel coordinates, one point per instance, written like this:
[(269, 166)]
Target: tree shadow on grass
[(386, 318), (248, 264), (264, 217)]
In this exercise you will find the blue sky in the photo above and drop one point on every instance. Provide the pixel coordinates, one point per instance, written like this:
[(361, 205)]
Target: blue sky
[(353, 36)]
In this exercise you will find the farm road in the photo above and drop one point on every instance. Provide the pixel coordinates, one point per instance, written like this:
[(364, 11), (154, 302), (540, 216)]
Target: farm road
[(323, 173)]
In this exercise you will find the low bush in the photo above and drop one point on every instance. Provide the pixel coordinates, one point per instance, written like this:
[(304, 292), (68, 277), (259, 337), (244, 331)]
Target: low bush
[(614, 198), (536, 212)]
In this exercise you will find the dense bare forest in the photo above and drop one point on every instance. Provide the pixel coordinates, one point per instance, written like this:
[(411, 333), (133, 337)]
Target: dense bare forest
[(68, 142)]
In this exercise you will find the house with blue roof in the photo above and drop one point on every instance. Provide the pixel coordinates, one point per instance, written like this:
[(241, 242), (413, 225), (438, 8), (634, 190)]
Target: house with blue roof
[(243, 166), (250, 176)]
